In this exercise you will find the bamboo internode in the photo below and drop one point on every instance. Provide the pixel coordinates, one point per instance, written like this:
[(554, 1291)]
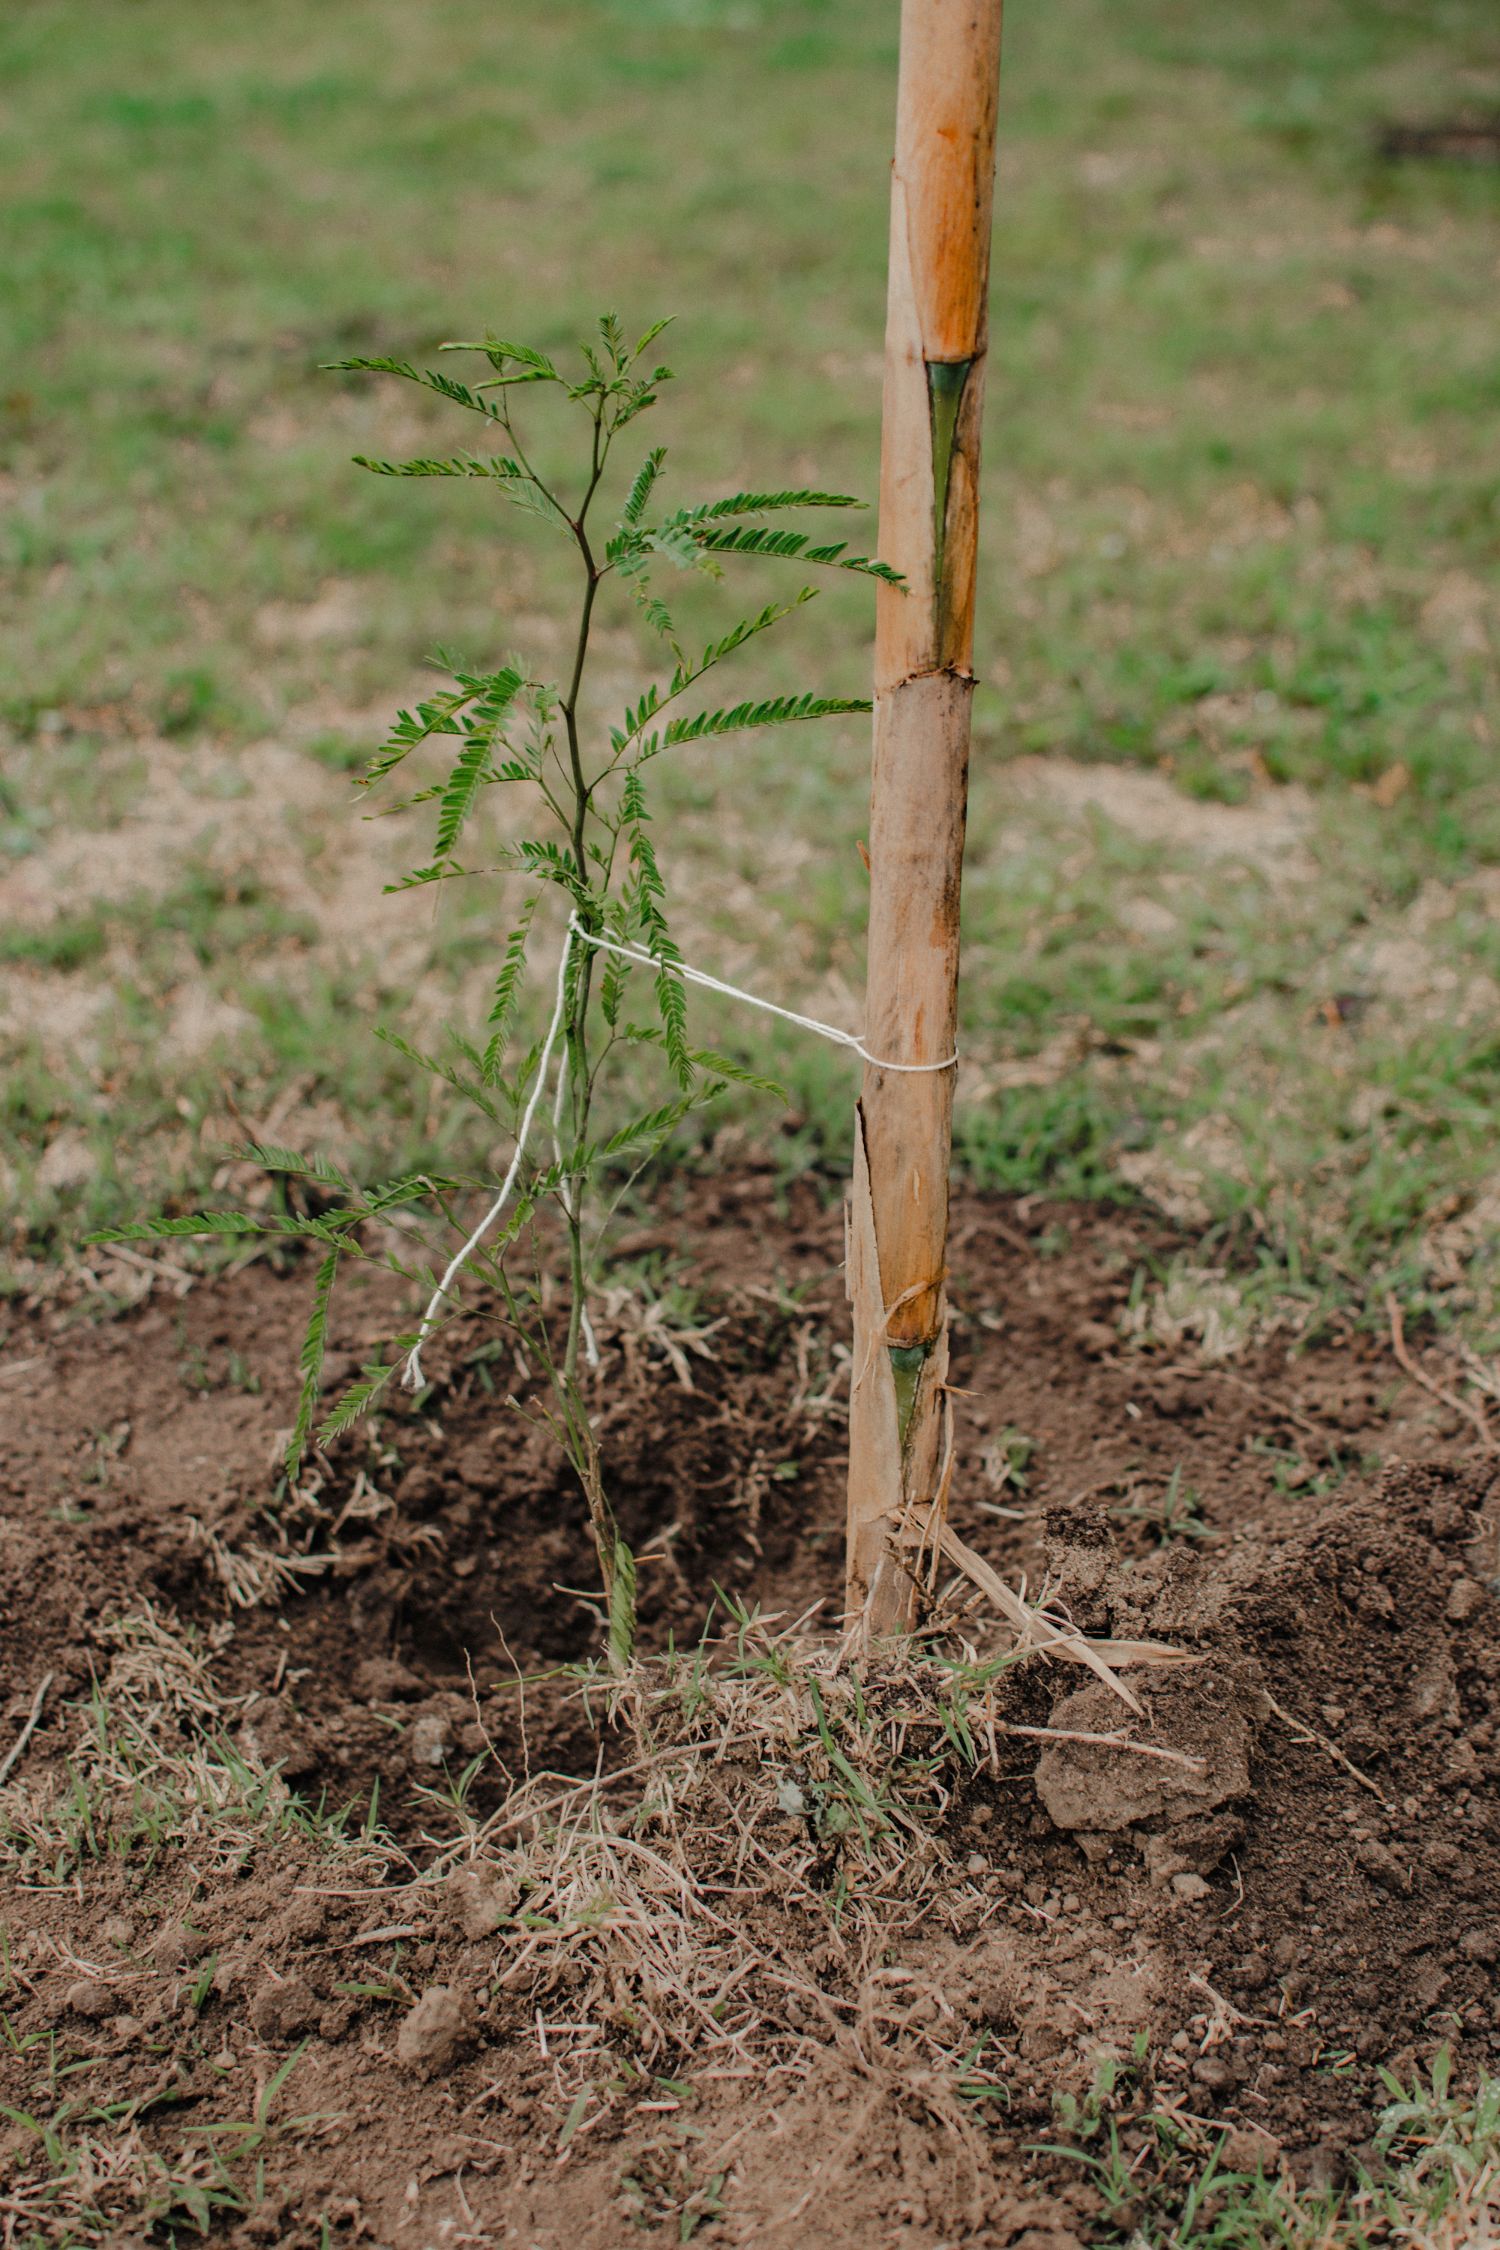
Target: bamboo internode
[(936, 331)]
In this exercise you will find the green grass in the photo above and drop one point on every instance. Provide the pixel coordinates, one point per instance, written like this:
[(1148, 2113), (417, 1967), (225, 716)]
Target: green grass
[(1436, 2147), (1242, 502)]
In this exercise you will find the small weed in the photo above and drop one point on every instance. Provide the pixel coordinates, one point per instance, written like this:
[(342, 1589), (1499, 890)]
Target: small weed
[(1084, 2117), (1003, 1464), (1176, 1512), (202, 1985), (979, 2080), (1292, 1472)]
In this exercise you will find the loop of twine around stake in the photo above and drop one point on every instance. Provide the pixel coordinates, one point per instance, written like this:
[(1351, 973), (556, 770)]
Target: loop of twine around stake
[(412, 1377)]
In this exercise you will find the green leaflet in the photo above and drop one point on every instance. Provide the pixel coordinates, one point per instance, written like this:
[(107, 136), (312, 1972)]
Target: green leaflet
[(649, 894), (439, 716), (473, 767), (641, 486), (495, 466), (441, 871), (735, 1074), (428, 378), (357, 1400), (198, 1223), (462, 788), (639, 716), (507, 989), (654, 1126), (544, 858), (677, 542), (310, 1359), (272, 1157), (738, 634), (533, 365)]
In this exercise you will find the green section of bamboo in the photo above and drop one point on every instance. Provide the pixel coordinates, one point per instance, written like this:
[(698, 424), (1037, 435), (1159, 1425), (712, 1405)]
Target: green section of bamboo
[(936, 332)]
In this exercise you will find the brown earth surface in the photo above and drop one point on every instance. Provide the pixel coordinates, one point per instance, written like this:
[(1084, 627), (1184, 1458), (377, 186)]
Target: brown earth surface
[(1302, 1890)]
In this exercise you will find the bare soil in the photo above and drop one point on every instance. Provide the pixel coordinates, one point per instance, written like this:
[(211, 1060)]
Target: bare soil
[(1314, 1897)]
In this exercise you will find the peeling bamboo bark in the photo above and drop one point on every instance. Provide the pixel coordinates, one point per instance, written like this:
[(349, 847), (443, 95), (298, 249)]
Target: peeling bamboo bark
[(936, 330)]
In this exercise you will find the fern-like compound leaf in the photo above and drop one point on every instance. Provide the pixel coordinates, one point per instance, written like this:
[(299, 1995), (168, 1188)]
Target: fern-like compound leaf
[(773, 711), (762, 503), (786, 546)]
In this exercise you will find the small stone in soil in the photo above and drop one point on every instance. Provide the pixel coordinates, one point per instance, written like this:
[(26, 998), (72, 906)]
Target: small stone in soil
[(428, 1741)]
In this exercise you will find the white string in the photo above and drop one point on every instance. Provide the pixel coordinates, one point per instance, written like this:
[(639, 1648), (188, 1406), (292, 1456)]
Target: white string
[(412, 1377), (752, 1000)]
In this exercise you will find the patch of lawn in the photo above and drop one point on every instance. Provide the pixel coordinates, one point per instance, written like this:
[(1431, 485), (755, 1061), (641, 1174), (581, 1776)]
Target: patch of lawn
[(1242, 509)]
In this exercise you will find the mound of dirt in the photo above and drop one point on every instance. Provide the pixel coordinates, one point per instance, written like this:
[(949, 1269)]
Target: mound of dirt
[(742, 1949)]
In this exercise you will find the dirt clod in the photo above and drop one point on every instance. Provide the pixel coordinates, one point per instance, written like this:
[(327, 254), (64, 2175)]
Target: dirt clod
[(1465, 1600), (479, 1901), (381, 1679), (436, 2032), (283, 2008), (175, 1945), (1200, 1720), (89, 1999)]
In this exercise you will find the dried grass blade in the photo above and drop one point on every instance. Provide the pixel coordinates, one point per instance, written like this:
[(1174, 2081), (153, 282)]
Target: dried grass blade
[(1037, 1629)]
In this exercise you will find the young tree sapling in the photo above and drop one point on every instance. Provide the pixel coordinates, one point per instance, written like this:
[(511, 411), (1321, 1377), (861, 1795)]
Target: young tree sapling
[(581, 829)]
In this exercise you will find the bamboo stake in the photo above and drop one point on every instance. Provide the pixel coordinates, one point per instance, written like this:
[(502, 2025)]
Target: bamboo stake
[(936, 330)]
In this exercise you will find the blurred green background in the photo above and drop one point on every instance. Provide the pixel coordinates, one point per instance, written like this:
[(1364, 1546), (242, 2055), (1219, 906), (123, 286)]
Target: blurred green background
[(1233, 905)]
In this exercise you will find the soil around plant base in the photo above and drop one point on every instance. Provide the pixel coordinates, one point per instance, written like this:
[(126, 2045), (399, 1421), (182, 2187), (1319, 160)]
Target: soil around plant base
[(1301, 1891)]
